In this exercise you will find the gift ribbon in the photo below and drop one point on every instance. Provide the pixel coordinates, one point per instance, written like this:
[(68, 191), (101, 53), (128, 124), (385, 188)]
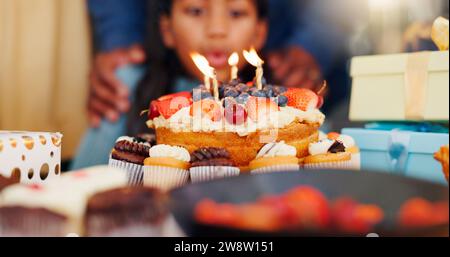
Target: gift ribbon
[(398, 151), (439, 33), (416, 84)]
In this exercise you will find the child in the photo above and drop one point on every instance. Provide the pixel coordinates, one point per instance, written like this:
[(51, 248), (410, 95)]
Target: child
[(214, 29)]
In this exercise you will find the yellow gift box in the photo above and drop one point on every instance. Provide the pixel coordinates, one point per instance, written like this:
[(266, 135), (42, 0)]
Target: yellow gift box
[(400, 87)]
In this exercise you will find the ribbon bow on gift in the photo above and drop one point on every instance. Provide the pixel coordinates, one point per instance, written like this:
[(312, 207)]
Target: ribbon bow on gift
[(439, 33)]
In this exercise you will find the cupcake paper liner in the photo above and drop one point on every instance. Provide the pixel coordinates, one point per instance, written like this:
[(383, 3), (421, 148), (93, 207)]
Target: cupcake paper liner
[(355, 161), (107, 227), (134, 171), (341, 165), (165, 178), (202, 174), (27, 226), (276, 168)]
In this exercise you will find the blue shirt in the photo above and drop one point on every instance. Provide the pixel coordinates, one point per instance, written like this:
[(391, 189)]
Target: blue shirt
[(310, 24)]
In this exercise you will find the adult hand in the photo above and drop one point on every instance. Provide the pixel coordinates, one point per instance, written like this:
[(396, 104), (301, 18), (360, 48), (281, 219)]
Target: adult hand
[(295, 67), (108, 97)]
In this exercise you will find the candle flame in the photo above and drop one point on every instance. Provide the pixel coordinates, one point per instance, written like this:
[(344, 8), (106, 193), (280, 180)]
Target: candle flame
[(253, 58), (202, 64), (234, 59)]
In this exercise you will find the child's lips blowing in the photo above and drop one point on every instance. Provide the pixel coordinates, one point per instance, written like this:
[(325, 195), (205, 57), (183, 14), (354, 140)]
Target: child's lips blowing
[(217, 60)]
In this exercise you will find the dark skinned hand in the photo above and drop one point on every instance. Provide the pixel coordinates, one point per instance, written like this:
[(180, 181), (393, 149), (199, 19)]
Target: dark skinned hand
[(295, 67), (108, 96)]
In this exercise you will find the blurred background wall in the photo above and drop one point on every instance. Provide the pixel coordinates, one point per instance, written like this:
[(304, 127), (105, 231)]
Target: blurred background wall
[(44, 62)]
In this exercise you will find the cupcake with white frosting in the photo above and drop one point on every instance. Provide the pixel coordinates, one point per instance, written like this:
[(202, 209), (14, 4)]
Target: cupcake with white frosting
[(129, 154), (334, 152), (167, 167), (275, 157)]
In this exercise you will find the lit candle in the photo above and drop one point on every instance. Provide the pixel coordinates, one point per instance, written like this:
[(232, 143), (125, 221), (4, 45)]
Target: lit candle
[(203, 65), (253, 58), (233, 62)]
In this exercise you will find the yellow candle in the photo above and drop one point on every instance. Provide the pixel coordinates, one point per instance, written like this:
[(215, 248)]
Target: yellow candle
[(253, 58), (233, 62)]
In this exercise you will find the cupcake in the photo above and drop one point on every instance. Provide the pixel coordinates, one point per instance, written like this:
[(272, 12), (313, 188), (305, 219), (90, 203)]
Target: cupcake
[(129, 211), (335, 152), (275, 157), (129, 154), (58, 207), (351, 147), (167, 167), (19, 221), (211, 163), (33, 210), (442, 157)]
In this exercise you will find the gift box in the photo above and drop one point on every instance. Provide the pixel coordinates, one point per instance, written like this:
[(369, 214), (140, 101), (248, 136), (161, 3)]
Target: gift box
[(30, 157), (400, 152), (400, 87)]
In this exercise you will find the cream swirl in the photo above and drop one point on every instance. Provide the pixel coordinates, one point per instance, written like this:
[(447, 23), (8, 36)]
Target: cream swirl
[(277, 149), (320, 147), (176, 152), (348, 141)]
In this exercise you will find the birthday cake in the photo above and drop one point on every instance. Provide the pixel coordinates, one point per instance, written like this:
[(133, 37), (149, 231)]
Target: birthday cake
[(241, 118)]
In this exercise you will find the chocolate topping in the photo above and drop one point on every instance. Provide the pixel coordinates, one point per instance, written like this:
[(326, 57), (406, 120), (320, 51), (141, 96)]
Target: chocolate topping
[(132, 147), (337, 147), (211, 156), (146, 138), (133, 152)]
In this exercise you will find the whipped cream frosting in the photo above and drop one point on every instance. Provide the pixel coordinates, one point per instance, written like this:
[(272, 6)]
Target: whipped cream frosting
[(320, 147), (132, 140), (182, 121), (176, 152), (324, 144), (348, 141), (277, 149)]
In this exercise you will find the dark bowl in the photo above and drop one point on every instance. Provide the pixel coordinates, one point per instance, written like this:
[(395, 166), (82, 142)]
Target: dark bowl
[(386, 190)]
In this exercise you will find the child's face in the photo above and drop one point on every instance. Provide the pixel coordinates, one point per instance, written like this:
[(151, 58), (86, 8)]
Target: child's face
[(215, 29)]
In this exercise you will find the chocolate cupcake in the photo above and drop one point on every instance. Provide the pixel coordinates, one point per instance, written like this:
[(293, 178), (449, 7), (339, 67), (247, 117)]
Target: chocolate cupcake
[(209, 163), (129, 154), (130, 211)]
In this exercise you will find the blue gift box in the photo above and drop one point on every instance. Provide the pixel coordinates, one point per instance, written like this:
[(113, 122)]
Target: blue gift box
[(402, 152)]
